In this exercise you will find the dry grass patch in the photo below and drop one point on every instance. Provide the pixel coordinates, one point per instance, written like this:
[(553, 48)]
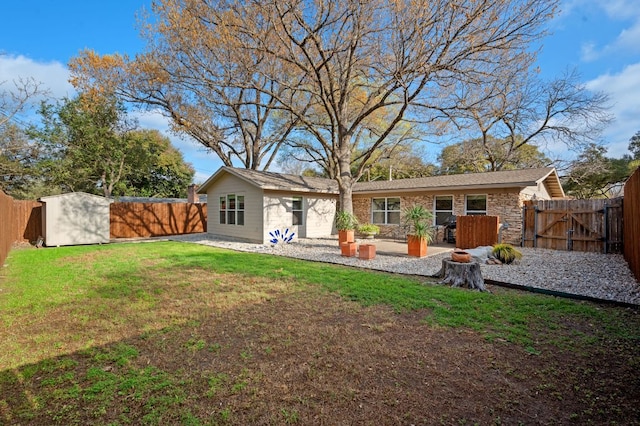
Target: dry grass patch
[(179, 334)]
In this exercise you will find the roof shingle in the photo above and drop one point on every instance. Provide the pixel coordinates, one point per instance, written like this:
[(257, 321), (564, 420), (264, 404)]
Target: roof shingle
[(501, 179)]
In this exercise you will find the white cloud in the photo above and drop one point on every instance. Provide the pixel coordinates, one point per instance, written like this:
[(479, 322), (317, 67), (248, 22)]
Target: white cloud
[(625, 13), (589, 52), (620, 9), (614, 9), (54, 76), (624, 90)]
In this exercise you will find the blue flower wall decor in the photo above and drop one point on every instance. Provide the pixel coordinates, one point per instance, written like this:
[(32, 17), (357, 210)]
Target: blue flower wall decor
[(278, 237)]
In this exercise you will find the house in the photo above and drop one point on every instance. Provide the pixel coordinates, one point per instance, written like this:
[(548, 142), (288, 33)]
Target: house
[(249, 205), (75, 218)]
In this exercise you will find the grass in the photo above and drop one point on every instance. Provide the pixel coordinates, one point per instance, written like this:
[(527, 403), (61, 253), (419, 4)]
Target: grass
[(132, 332), (91, 282)]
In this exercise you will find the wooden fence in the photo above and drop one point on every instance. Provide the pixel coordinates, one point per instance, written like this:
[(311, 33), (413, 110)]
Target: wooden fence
[(475, 231), (580, 225), (632, 222), (27, 221), (6, 225), (132, 220), (20, 222)]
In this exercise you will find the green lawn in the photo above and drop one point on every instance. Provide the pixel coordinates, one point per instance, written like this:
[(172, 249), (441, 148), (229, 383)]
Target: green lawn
[(84, 328)]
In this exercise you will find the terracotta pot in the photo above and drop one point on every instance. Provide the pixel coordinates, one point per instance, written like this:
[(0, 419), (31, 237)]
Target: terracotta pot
[(460, 256), (367, 251), (416, 247), (348, 249), (346, 236)]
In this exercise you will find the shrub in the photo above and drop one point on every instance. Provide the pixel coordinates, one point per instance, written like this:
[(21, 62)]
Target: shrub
[(506, 253), (369, 228)]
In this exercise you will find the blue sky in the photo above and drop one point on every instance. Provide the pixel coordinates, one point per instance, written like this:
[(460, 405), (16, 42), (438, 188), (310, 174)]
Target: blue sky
[(600, 39)]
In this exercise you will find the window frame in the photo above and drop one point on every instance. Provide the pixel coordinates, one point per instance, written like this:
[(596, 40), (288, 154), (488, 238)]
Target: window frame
[(231, 209), (386, 211), (436, 211), (300, 211), (475, 212)]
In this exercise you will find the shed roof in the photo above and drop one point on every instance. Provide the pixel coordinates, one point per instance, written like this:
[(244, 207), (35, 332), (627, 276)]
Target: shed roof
[(502, 179), (96, 198)]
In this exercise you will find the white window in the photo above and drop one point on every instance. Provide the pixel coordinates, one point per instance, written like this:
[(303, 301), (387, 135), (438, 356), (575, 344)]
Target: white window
[(232, 209), (443, 208), (476, 205), (297, 210), (385, 211)]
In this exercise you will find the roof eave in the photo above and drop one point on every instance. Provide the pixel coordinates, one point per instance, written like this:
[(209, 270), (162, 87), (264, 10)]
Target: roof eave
[(203, 188), (553, 183), (515, 185)]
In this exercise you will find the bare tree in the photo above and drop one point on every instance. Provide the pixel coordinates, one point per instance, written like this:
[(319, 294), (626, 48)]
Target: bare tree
[(15, 100), (193, 73), (345, 73), (370, 66), (520, 110)]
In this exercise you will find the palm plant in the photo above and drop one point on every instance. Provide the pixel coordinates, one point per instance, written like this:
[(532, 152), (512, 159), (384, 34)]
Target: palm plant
[(346, 221), (419, 220)]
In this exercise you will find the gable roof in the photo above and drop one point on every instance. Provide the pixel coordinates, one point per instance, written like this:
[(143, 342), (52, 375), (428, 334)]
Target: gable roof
[(502, 179), (275, 181)]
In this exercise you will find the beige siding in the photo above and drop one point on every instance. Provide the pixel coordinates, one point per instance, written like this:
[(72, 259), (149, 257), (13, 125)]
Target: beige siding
[(540, 192), (318, 217), (277, 215), (252, 230)]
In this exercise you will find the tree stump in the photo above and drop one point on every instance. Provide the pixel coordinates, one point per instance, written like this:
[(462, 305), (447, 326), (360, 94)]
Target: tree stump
[(458, 274)]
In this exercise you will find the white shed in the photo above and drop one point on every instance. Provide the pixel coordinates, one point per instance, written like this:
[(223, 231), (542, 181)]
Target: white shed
[(75, 218)]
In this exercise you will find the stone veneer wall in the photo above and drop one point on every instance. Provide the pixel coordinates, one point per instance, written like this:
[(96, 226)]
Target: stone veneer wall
[(506, 205)]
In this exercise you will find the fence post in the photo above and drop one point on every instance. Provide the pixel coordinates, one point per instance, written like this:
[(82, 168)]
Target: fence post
[(606, 227), (524, 224), (535, 226)]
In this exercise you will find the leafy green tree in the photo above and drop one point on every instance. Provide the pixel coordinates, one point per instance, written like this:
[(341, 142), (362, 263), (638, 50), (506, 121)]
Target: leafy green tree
[(478, 155), (85, 144), (634, 145), (594, 175), (90, 145), (17, 157), (157, 168)]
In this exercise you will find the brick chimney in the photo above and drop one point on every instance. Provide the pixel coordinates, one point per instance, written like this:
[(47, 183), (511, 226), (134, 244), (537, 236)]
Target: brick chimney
[(192, 194)]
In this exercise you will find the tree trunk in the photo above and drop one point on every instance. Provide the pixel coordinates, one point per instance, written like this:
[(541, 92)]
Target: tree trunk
[(458, 274), (345, 185)]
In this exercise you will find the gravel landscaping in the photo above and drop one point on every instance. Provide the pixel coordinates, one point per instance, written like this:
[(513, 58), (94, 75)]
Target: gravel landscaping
[(594, 275)]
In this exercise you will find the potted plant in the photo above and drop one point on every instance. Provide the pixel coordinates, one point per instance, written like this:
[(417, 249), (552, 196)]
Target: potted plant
[(369, 230), (421, 232), (346, 223)]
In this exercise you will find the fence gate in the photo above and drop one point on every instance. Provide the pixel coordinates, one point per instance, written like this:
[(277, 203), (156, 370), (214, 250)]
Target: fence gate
[(580, 225)]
